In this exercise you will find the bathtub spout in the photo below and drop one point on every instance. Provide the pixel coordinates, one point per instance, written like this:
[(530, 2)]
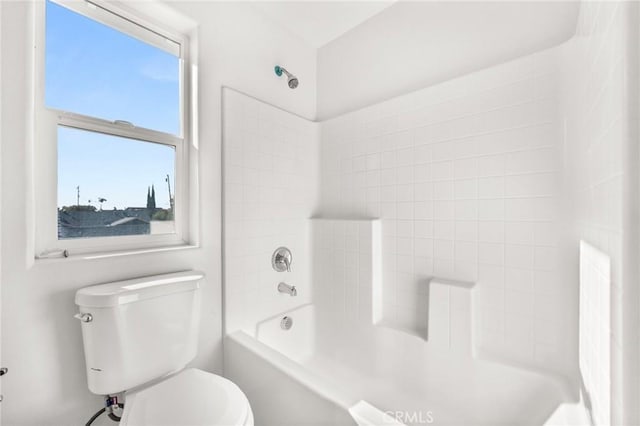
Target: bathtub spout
[(288, 289)]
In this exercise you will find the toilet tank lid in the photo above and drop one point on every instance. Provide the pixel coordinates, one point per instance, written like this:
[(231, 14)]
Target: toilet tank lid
[(134, 290)]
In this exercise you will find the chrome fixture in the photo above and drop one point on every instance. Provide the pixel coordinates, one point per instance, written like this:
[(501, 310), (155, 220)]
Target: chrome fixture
[(281, 259), (292, 80), (286, 323), (84, 317), (288, 289)]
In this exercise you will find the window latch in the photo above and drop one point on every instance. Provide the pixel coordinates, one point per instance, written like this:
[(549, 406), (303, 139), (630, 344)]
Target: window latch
[(124, 123)]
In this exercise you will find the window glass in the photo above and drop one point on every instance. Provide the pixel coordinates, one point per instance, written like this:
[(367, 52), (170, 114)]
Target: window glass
[(113, 186), (95, 70)]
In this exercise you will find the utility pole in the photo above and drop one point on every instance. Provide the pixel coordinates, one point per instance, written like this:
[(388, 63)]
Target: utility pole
[(170, 197), (78, 195)]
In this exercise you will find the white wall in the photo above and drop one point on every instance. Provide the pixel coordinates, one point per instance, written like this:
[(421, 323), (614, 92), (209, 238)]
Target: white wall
[(41, 341), (412, 45), (241, 49), (271, 160), (601, 83), (466, 177)]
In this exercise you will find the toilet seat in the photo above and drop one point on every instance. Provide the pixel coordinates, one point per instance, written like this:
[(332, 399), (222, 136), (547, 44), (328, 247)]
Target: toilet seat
[(190, 398)]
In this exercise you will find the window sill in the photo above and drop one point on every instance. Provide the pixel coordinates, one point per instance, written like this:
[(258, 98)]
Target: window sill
[(95, 255)]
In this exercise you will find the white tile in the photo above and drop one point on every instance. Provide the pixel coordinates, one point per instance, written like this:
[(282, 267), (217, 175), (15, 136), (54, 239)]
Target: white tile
[(442, 170), (466, 251), (405, 193), (442, 210), (443, 249), (519, 256), (466, 230), (491, 253), (423, 191), (360, 163), (466, 209), (405, 157), (444, 229), (491, 209), (519, 232), (546, 234), (423, 266), (404, 264), (388, 159), (405, 175), (547, 282), (442, 151), (443, 190), (546, 258), (491, 187), (519, 302), (490, 296), (491, 231), (424, 229), (423, 248), (466, 189), (423, 154), (404, 228), (518, 279), (541, 160), (491, 274), (388, 176), (466, 168), (491, 165), (422, 172), (388, 193), (423, 210), (539, 184), (405, 210)]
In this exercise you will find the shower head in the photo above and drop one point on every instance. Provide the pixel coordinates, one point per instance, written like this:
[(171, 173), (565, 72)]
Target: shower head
[(292, 80)]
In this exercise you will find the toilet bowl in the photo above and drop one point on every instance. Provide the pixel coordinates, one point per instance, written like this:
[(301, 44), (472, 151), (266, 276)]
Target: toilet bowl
[(138, 336), (190, 397)]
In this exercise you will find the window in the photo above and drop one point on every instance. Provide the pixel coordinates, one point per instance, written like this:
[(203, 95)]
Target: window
[(111, 107)]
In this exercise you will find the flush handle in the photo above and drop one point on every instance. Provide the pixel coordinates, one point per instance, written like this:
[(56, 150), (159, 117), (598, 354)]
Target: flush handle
[(84, 317), (3, 371)]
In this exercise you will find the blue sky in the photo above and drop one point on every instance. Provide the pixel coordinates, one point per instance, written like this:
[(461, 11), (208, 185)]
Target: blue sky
[(94, 70)]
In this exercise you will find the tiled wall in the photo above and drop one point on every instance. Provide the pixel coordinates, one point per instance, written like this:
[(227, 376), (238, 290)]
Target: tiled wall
[(270, 190), (346, 269), (601, 80), (493, 177), (466, 177)]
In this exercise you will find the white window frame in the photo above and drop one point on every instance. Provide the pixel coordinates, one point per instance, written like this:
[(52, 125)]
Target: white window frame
[(47, 120)]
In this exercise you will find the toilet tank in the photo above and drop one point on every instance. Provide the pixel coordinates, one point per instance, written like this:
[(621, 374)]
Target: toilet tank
[(138, 330)]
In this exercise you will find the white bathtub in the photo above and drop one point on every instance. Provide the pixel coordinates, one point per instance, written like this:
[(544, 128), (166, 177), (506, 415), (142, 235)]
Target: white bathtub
[(325, 373)]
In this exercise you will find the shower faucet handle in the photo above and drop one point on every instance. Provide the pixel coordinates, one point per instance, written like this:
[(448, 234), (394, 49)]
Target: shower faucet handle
[(281, 260)]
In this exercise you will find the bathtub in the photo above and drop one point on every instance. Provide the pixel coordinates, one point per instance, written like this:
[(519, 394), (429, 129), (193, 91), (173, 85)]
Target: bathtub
[(320, 372)]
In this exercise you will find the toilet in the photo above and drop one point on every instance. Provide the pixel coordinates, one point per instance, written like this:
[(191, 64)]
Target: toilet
[(139, 335)]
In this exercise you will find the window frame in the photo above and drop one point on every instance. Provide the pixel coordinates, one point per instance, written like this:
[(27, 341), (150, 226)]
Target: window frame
[(47, 120)]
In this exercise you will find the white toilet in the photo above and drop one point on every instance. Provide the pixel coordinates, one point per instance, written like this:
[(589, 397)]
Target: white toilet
[(138, 337)]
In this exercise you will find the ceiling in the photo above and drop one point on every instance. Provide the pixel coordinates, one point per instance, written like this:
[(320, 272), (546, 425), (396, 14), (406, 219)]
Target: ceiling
[(319, 22), (416, 44)]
